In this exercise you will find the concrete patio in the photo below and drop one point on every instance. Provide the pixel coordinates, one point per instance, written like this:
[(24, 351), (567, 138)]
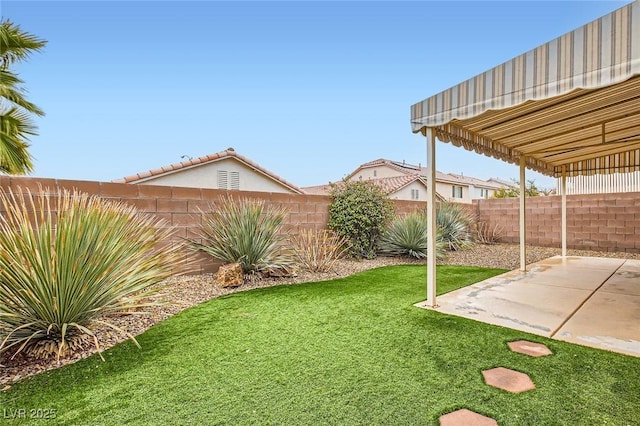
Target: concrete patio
[(584, 300)]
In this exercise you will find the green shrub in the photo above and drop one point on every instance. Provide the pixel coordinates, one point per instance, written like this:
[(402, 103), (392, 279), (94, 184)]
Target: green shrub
[(318, 250), (454, 222), (247, 232), (360, 211), (407, 236), (66, 266)]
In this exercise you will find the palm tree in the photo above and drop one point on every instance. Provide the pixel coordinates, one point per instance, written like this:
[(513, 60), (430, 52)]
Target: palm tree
[(16, 112)]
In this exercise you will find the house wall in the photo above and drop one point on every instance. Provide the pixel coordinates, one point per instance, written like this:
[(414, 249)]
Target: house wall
[(445, 189), (377, 172), (476, 192), (607, 222), (405, 193), (206, 176)]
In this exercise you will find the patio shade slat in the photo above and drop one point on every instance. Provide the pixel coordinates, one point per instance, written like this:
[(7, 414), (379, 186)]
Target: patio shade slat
[(556, 96)]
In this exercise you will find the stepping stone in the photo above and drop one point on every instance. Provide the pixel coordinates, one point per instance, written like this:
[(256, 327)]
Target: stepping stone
[(529, 348), (509, 380), (466, 417)]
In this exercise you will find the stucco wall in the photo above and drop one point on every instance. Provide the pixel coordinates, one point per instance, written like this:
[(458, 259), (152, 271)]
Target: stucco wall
[(405, 193), (206, 176), (377, 172)]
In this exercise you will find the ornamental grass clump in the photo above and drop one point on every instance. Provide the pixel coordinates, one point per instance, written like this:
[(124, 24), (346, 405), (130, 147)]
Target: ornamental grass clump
[(318, 250), (245, 231), (454, 223), (67, 260), (407, 236)]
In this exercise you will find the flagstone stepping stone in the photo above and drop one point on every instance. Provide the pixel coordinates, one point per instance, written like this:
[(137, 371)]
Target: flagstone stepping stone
[(529, 348), (509, 380), (466, 417)]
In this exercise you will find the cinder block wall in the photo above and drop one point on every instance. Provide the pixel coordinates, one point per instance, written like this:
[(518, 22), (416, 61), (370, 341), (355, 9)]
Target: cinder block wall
[(607, 222), (181, 207)]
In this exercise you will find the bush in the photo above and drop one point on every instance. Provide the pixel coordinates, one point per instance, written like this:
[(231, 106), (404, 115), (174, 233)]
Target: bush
[(454, 222), (407, 236), (247, 232), (317, 251), (360, 211), (64, 267)]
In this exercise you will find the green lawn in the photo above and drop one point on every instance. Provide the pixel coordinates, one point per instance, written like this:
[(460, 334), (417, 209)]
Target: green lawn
[(348, 351)]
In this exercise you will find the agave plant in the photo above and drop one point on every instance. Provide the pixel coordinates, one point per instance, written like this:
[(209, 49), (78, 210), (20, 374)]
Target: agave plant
[(247, 232), (317, 250), (454, 223), (66, 261), (407, 236)]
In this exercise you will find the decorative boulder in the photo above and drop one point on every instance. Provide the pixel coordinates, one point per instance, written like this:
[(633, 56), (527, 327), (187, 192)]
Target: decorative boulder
[(230, 275)]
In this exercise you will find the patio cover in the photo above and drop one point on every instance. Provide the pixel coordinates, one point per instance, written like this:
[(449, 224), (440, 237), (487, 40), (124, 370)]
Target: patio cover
[(569, 107), (573, 102)]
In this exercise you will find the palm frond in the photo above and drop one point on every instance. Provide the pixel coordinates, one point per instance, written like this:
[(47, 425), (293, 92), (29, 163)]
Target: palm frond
[(12, 95), (15, 125), (15, 44)]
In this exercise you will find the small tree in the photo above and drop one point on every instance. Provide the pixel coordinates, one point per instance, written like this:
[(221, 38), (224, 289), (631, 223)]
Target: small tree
[(360, 212), (531, 190)]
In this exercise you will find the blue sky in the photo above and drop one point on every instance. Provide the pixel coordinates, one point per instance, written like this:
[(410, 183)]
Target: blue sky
[(309, 90)]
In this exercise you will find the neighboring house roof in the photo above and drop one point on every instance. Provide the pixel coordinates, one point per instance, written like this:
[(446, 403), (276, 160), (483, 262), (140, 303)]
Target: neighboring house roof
[(479, 182), (195, 162), (401, 167), (412, 169), (503, 183), (388, 184), (317, 190)]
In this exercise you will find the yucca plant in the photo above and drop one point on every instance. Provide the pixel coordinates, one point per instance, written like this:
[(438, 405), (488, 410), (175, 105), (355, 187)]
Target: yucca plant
[(318, 250), (247, 232), (454, 222), (407, 236), (68, 259)]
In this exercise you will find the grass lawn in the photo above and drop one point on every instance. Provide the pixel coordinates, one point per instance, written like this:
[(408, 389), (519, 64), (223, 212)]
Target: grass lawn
[(348, 351)]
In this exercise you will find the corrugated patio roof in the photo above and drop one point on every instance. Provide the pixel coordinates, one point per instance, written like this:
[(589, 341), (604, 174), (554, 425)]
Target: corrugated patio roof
[(572, 103)]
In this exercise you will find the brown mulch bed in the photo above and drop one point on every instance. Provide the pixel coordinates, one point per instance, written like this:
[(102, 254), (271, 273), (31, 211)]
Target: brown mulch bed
[(181, 292)]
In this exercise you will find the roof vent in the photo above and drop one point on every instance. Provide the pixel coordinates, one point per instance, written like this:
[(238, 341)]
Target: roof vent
[(231, 149)]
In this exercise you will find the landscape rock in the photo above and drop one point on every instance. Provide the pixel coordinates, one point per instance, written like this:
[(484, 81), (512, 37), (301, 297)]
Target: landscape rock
[(230, 275)]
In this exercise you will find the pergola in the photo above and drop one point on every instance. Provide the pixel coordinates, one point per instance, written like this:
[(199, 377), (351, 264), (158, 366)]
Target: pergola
[(569, 107)]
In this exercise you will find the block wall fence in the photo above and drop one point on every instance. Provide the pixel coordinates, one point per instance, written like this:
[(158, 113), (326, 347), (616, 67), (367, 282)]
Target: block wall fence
[(608, 222), (605, 222), (181, 207)]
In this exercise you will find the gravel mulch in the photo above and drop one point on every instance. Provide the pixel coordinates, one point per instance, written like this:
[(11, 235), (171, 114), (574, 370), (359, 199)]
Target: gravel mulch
[(181, 292)]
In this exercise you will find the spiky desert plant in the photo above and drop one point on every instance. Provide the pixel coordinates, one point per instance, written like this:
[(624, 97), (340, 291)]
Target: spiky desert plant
[(245, 231), (317, 250), (407, 236), (67, 259), (454, 222), (487, 234)]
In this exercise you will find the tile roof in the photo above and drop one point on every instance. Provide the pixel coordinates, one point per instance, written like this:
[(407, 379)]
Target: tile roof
[(388, 184), (195, 162), (317, 189), (412, 169)]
